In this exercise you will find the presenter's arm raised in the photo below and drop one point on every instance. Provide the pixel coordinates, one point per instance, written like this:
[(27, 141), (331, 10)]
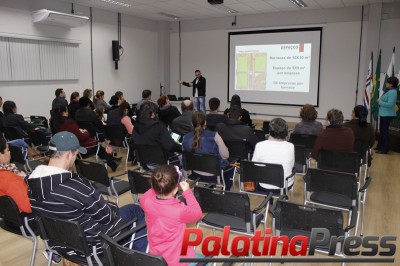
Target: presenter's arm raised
[(187, 84)]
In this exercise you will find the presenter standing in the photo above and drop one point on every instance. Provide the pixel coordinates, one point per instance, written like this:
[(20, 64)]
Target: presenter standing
[(199, 91)]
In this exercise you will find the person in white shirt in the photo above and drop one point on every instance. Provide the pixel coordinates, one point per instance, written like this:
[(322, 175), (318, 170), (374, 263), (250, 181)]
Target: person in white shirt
[(276, 150)]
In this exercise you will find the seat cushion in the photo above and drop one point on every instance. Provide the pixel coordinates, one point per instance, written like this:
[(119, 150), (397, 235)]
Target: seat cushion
[(236, 223), (333, 199)]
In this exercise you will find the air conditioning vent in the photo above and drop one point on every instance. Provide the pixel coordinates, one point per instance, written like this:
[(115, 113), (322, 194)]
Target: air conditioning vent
[(49, 17)]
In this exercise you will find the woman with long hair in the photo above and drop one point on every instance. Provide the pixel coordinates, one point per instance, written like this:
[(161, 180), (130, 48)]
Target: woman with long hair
[(235, 101), (361, 128), (204, 141)]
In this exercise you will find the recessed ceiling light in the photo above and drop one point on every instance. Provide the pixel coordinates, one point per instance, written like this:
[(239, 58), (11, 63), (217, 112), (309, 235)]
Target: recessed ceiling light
[(226, 9), (169, 15), (298, 3), (117, 3)]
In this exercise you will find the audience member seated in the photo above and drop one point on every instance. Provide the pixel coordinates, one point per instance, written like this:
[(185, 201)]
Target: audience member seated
[(120, 96), (146, 96), (335, 137), (204, 141), (1, 116), (118, 117), (235, 100), (115, 102), (99, 101), (166, 111), (57, 192), (151, 131), (100, 114), (308, 124), (12, 119), (276, 150), (214, 118), (86, 114), (88, 93), (235, 130), (60, 98), (12, 180), (361, 128), (73, 104), (183, 124), (61, 122), (166, 216)]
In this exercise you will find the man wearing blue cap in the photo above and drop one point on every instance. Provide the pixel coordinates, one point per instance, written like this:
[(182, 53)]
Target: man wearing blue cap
[(55, 191)]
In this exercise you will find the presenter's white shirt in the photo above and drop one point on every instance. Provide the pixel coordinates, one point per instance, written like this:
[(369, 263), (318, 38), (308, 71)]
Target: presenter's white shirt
[(196, 93), (275, 152)]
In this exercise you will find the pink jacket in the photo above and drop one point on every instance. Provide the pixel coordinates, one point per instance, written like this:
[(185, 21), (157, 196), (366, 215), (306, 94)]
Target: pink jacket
[(166, 221)]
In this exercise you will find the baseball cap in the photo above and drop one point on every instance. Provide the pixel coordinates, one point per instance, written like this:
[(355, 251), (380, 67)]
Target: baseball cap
[(65, 141)]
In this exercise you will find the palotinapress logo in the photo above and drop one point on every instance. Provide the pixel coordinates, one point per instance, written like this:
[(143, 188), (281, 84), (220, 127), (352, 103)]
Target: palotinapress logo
[(367, 249)]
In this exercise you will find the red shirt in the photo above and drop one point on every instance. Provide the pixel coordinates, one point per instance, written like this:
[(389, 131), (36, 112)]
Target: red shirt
[(14, 186)]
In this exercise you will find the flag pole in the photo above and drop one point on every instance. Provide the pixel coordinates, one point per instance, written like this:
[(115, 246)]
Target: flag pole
[(359, 54), (372, 83)]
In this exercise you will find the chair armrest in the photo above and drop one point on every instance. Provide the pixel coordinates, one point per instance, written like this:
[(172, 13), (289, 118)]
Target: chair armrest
[(353, 220), (368, 180), (130, 232), (263, 203), (281, 197), (112, 177)]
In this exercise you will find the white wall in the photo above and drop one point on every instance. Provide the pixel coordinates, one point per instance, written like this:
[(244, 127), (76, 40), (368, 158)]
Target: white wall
[(205, 47), (138, 68)]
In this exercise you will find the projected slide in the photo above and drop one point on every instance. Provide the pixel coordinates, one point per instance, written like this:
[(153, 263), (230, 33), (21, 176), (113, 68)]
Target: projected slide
[(277, 67)]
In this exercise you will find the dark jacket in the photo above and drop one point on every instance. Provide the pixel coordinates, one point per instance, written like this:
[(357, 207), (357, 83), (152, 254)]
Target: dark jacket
[(72, 197), (168, 113), (59, 101), (334, 139), (72, 108), (236, 130), (87, 115), (214, 119), (16, 120), (182, 124), (153, 132), (200, 86), (245, 116), (366, 133)]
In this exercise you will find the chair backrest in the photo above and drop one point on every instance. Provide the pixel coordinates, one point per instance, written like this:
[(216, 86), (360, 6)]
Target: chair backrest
[(115, 134), (64, 233), (93, 171), (300, 157), (122, 256), (224, 202), (201, 162), (265, 127), (338, 183), (260, 134), (153, 154), (9, 211), (138, 182), (362, 149), (39, 121), (290, 217), (239, 149), (89, 126), (39, 138), (303, 139), (267, 173), (348, 162)]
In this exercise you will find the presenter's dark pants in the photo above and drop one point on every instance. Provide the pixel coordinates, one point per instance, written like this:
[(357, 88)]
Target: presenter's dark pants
[(383, 143)]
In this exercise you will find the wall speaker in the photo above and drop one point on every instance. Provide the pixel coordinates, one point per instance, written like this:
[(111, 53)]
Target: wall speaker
[(115, 50)]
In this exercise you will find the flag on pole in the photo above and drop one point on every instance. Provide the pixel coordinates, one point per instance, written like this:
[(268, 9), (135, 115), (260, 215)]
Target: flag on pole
[(375, 93), (368, 85), (389, 73)]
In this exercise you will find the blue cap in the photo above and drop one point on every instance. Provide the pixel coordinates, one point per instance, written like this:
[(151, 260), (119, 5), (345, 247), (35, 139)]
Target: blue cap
[(65, 141)]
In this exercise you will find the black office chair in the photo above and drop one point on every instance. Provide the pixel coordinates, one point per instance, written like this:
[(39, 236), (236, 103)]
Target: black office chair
[(68, 234), (225, 208), (97, 173), (153, 155), (256, 173), (139, 184), (292, 219), (204, 163), (303, 139), (301, 159), (15, 222), (119, 255), (238, 150), (347, 162), (335, 190)]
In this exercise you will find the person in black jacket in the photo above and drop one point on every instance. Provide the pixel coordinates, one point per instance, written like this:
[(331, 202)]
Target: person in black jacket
[(166, 111), (151, 131), (199, 91), (86, 114), (235, 100), (12, 119)]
